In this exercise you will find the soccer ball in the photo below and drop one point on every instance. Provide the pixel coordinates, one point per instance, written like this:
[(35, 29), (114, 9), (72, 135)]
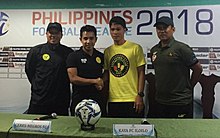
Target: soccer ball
[(87, 113)]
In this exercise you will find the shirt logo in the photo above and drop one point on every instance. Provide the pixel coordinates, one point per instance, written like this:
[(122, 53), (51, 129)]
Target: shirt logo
[(84, 60), (119, 65), (154, 56), (46, 57), (98, 60), (181, 115)]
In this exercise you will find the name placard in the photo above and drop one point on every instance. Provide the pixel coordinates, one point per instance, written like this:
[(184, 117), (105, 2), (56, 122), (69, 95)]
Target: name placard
[(133, 130), (31, 125)]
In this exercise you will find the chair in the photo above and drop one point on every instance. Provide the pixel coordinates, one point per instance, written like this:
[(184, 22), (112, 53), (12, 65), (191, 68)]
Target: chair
[(208, 94)]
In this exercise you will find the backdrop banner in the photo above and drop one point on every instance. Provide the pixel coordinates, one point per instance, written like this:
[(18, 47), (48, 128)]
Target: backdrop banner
[(20, 30)]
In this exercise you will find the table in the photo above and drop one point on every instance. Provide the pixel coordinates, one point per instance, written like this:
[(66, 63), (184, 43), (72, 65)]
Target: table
[(68, 127)]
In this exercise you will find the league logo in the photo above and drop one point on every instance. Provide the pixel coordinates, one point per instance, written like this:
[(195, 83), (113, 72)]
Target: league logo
[(4, 23)]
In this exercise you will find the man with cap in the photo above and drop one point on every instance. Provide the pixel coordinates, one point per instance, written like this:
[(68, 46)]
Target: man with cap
[(47, 73), (124, 69), (173, 61)]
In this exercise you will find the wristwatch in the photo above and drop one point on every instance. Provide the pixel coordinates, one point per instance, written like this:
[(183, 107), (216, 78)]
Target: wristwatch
[(141, 94)]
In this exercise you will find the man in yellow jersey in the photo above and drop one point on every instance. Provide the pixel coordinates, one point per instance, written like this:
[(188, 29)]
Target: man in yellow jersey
[(124, 65)]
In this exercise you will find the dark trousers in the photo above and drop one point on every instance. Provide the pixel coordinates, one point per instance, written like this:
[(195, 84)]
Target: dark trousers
[(123, 110), (174, 111), (48, 109)]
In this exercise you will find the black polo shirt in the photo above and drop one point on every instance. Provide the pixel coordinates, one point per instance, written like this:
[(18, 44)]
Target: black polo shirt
[(46, 70), (87, 67)]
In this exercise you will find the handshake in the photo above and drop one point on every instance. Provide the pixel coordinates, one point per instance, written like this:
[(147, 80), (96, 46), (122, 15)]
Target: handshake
[(99, 84)]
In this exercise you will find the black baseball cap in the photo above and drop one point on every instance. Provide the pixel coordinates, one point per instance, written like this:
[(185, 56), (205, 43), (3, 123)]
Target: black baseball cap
[(164, 20), (54, 25), (118, 20)]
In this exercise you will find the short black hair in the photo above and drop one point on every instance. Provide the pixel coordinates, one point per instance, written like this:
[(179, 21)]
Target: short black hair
[(88, 28), (118, 20)]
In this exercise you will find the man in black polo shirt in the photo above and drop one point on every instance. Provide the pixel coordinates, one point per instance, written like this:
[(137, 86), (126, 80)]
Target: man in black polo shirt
[(46, 71), (85, 68), (172, 61)]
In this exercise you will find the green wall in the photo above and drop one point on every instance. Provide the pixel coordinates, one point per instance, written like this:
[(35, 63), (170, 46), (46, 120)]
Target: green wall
[(70, 4)]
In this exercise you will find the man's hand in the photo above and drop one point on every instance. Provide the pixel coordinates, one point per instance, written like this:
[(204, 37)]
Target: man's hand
[(99, 84), (139, 104)]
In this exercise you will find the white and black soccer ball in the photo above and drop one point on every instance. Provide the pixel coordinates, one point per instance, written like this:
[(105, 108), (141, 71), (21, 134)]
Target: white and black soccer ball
[(87, 112)]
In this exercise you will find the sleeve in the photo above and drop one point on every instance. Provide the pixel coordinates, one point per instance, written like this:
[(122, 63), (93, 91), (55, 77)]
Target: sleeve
[(189, 56), (30, 64), (106, 63), (102, 60), (71, 60), (140, 56)]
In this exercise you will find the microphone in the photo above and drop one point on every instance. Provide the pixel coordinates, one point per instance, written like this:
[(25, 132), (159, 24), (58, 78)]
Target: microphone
[(144, 121), (52, 116)]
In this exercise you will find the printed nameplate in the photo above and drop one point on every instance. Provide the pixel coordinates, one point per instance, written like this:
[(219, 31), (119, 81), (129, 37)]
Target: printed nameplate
[(31, 125), (133, 130)]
